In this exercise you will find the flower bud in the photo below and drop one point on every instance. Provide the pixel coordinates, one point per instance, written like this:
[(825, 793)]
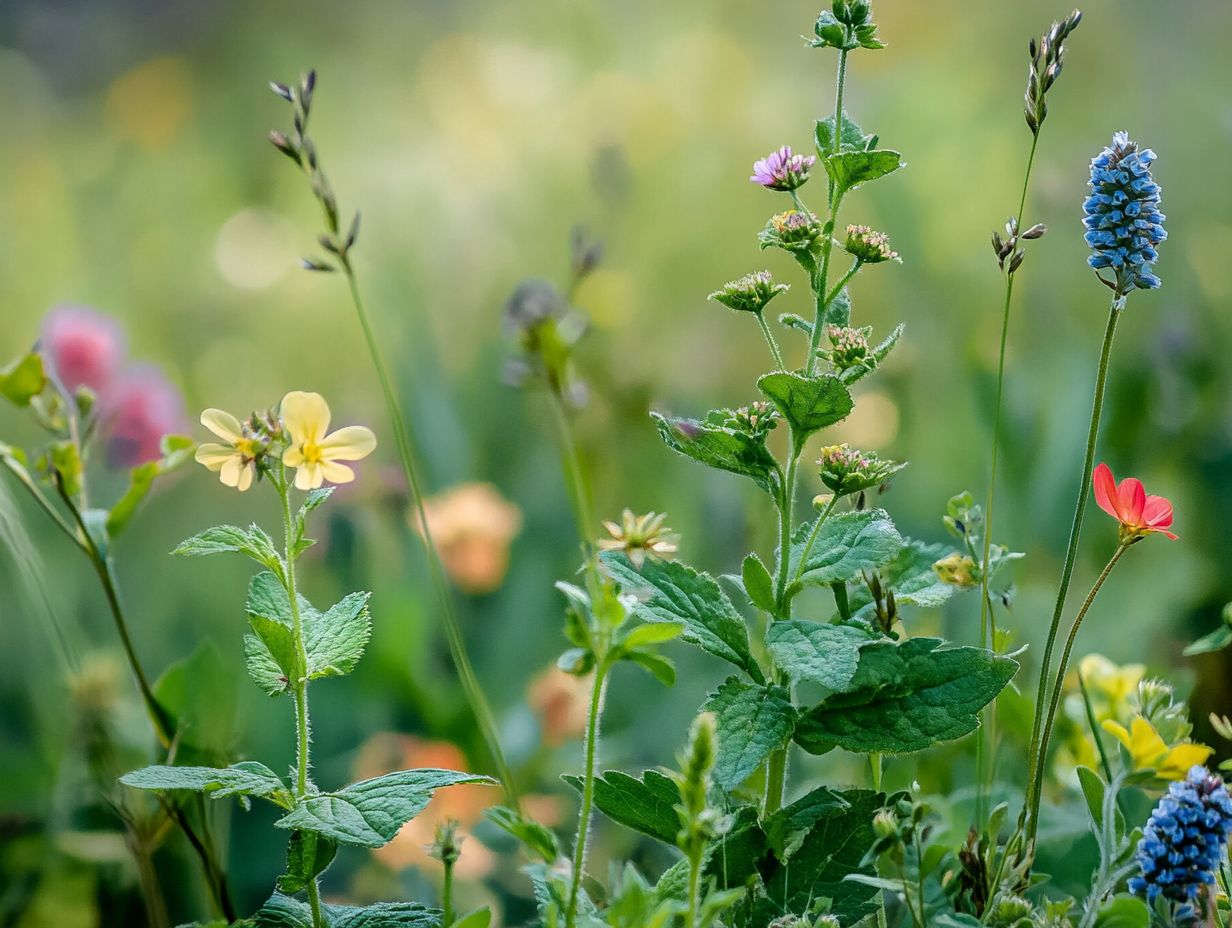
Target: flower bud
[(750, 293), (792, 230), (869, 246), (846, 470), (957, 570)]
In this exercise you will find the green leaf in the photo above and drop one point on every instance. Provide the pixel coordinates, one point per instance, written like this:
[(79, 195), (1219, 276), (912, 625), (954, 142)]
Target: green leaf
[(757, 583), (846, 545), (720, 447), (202, 718), (815, 652), (369, 813), (480, 918), (852, 168), (1123, 911), (284, 912), (247, 778), (336, 639), (912, 578), (660, 667), (176, 450), (809, 404), (733, 859), (314, 499), (752, 722), (1217, 640), (647, 805), (787, 828), (222, 539), (852, 138), (651, 633), (23, 380), (308, 856), (537, 839), (668, 591), (907, 697), (1093, 791), (851, 375)]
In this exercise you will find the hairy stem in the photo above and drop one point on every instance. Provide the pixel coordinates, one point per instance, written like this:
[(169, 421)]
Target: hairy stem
[(593, 715), (786, 508), (812, 539), (1071, 551), (774, 346), (447, 894), (453, 631), (695, 885)]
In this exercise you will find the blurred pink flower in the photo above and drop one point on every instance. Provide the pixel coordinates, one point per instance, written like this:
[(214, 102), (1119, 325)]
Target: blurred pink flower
[(138, 409), (82, 347)]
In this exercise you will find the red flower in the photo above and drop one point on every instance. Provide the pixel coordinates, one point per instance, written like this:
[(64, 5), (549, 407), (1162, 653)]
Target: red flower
[(1128, 503), (84, 348)]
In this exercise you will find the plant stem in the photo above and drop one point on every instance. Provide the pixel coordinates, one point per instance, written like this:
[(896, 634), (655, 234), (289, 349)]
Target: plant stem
[(838, 287), (1071, 550), (588, 790), (874, 766), (774, 346), (1059, 682), (786, 507), (1094, 723), (575, 477), (776, 781), (447, 895), (695, 885), (812, 539), (453, 631)]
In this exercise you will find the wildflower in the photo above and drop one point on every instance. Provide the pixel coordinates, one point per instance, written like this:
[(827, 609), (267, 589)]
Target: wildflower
[(1183, 841), (139, 409), (640, 536), (750, 293), (1122, 215), (83, 348), (781, 170), (472, 526), (315, 454), (1148, 750), (869, 246), (446, 843), (957, 570), (791, 230), (1110, 686), (756, 419), (849, 348), (235, 459), (1128, 503), (846, 470)]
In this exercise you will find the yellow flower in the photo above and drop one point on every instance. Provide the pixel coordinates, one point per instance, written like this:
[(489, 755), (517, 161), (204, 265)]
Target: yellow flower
[(1108, 683), (313, 453), (235, 460), (1149, 751)]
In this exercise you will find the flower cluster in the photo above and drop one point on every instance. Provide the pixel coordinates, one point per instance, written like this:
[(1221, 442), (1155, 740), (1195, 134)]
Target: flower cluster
[(639, 537), (792, 230), (781, 170), (1122, 217), (957, 570), (868, 245), (756, 419), (847, 470), (849, 348), (750, 293), (1128, 503), (1183, 841)]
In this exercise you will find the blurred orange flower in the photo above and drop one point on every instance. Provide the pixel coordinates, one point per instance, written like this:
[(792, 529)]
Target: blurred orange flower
[(472, 526), (561, 701)]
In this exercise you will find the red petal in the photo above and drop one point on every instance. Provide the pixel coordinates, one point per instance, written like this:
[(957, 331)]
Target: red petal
[(1158, 512), (1105, 490), (1131, 500)]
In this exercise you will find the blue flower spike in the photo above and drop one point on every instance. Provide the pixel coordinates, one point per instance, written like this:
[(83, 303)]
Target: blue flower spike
[(1122, 217)]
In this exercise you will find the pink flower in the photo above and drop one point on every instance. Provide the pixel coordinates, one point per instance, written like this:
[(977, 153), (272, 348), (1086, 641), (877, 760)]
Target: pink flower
[(139, 409), (781, 170), (1127, 502), (82, 347)]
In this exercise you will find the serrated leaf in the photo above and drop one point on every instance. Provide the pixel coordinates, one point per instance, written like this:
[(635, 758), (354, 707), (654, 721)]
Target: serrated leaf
[(370, 812), (538, 839), (758, 584), (851, 168), (751, 722), (314, 499), (247, 778), (23, 380), (647, 805), (846, 545), (852, 138), (660, 667), (336, 639), (912, 578), (907, 697), (669, 591), (787, 828), (308, 856), (808, 403), (284, 912), (223, 539), (815, 652), (721, 448)]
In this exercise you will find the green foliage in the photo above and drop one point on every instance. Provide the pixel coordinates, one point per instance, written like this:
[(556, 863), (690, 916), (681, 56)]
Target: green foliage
[(176, 450), (647, 805), (282, 911), (852, 137), (537, 839), (252, 542), (713, 442), (671, 592), (245, 779), (849, 169), (370, 812), (758, 584), (480, 918), (753, 721), (314, 499), (907, 697), (1217, 640), (308, 856), (200, 716), (815, 652), (912, 578), (23, 380), (809, 404), (846, 545)]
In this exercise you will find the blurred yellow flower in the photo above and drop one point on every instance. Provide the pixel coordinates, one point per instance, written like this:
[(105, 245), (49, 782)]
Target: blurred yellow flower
[(472, 526), (315, 454), (1148, 750), (1109, 686), (235, 459)]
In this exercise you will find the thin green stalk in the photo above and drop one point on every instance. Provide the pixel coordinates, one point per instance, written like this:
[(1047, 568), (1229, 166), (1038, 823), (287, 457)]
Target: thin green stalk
[(1059, 683), (874, 766), (1071, 550), (776, 782), (588, 790), (1094, 723), (453, 631), (838, 287), (447, 895), (786, 508), (695, 885), (774, 346), (812, 539), (575, 477)]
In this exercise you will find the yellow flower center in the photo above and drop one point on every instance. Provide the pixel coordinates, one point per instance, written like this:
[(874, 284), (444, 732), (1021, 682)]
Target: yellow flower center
[(311, 452), (247, 447)]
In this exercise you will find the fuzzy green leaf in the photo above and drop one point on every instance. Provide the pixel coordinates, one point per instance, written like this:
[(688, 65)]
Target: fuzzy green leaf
[(369, 813), (647, 805), (720, 447), (176, 450), (852, 168), (751, 722), (851, 139), (816, 652), (247, 778), (308, 856), (668, 591), (846, 545), (314, 499), (912, 578), (23, 380), (284, 912), (222, 539), (538, 839), (757, 583), (808, 403), (660, 667), (1123, 911), (787, 828), (907, 697)]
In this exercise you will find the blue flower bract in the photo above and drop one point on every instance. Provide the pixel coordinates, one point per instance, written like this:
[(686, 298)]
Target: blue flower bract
[(1122, 214)]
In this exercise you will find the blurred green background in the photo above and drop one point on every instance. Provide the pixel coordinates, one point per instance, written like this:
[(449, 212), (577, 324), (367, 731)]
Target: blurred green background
[(135, 178)]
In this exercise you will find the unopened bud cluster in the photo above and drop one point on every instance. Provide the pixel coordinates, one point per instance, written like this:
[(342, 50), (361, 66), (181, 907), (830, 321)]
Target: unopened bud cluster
[(846, 25), (849, 348), (1009, 254), (1047, 57), (847, 470), (869, 246), (792, 230), (755, 420), (750, 293)]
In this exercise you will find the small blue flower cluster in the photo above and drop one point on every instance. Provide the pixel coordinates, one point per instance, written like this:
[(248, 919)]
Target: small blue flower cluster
[(1122, 218), (1183, 841)]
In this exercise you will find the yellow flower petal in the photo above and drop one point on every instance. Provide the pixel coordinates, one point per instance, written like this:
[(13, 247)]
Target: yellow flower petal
[(293, 456), (348, 444), (306, 416), (232, 471), (337, 473), (1175, 766), (222, 424), (214, 455), (309, 477), (246, 476)]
